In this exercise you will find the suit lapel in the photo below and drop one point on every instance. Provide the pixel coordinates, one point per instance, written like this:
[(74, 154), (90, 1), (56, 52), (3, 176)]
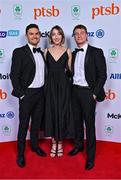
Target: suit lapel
[(45, 67), (86, 57), (87, 54), (42, 55), (29, 53), (73, 61)]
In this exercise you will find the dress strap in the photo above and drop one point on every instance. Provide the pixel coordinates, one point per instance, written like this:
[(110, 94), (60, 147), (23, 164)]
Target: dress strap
[(45, 53)]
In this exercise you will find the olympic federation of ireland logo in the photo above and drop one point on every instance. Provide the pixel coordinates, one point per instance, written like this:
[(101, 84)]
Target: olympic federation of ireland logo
[(75, 11), (113, 53), (17, 10), (6, 130), (1, 53)]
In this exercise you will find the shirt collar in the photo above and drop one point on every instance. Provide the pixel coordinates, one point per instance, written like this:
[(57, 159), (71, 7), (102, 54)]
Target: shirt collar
[(31, 47), (84, 47)]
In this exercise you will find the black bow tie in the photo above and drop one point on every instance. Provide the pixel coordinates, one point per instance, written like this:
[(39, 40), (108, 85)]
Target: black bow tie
[(36, 50), (77, 50)]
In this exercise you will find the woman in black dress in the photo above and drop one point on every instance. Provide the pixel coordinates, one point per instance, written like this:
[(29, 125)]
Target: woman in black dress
[(58, 113)]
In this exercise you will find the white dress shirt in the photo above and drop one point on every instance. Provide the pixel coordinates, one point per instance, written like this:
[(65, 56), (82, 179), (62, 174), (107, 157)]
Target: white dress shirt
[(79, 71), (38, 80)]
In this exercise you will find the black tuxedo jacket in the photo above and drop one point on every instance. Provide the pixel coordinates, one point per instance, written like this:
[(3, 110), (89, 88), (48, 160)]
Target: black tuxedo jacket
[(22, 70), (95, 70)]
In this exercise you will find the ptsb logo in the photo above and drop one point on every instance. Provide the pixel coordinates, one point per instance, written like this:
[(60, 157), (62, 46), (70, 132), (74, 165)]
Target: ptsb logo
[(3, 94), (46, 12), (110, 95), (105, 11)]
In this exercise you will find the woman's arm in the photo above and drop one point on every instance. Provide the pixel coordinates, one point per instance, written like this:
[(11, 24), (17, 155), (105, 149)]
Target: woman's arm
[(45, 52), (69, 58)]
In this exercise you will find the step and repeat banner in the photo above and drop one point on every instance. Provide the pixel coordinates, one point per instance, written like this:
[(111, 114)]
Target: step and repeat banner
[(103, 21)]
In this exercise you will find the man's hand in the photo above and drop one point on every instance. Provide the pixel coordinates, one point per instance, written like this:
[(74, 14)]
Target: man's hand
[(94, 96), (22, 97)]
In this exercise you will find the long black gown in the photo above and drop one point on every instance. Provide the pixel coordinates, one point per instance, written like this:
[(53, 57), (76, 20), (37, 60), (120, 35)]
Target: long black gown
[(58, 113)]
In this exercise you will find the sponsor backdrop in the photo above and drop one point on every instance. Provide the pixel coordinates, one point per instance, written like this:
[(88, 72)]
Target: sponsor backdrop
[(103, 20)]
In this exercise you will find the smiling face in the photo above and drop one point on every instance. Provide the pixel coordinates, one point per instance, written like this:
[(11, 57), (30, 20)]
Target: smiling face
[(80, 36), (33, 36), (56, 37)]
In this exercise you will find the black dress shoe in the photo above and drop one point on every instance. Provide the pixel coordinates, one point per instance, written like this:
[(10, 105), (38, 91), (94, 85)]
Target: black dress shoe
[(75, 151), (89, 165), (20, 161), (39, 151)]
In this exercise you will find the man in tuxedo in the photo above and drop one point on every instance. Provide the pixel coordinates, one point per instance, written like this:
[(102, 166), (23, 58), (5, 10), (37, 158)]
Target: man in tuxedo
[(27, 76), (89, 76)]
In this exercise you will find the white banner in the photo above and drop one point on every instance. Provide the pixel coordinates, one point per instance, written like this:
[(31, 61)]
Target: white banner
[(103, 21)]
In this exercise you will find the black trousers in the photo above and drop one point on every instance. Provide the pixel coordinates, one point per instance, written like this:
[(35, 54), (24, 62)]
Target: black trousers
[(84, 111), (31, 106)]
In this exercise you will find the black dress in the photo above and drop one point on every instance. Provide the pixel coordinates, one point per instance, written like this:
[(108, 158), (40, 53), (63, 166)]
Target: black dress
[(58, 113)]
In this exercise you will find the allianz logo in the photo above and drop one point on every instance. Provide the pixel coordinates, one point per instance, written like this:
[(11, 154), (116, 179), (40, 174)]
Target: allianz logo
[(114, 116), (9, 115), (115, 76)]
